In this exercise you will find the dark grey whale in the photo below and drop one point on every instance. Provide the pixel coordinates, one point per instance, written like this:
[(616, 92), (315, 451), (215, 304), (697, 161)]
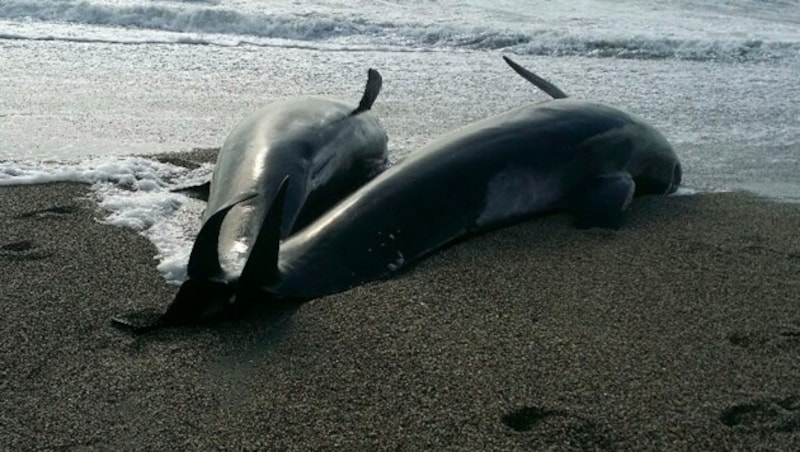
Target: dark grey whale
[(327, 147), (585, 158), (582, 157)]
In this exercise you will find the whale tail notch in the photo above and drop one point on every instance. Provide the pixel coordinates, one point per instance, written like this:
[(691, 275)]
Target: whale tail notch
[(371, 91), (549, 88), (261, 268)]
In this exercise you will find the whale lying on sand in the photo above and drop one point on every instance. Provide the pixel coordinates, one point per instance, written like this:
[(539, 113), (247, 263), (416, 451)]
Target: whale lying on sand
[(326, 146), (581, 157), (577, 156)]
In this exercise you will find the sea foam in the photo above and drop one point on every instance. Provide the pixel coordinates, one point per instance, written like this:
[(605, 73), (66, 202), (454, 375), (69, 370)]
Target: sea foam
[(135, 193)]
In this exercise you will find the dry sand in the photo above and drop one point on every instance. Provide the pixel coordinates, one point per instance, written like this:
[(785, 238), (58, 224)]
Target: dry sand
[(680, 331)]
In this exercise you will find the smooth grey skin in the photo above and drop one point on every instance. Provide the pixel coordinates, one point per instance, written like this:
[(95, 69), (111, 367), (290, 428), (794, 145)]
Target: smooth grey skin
[(326, 146)]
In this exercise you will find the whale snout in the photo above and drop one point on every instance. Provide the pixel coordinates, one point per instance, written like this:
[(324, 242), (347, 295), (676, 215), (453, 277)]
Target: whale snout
[(658, 177), (677, 175)]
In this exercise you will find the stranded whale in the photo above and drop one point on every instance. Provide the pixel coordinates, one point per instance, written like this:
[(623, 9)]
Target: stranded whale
[(582, 157), (327, 147)]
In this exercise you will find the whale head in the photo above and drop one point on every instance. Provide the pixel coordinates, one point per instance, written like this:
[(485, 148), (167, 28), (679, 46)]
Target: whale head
[(654, 165)]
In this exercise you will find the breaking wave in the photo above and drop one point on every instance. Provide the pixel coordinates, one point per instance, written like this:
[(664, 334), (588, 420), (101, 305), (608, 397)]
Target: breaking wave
[(202, 23)]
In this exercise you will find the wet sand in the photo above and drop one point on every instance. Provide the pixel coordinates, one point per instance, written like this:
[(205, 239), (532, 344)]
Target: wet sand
[(681, 330)]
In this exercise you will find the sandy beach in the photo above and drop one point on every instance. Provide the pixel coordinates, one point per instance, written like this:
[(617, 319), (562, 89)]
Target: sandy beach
[(679, 331)]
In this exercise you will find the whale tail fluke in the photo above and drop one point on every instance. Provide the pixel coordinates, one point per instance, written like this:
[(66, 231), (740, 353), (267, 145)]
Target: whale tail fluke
[(139, 321), (200, 297), (539, 82), (373, 88), (204, 296)]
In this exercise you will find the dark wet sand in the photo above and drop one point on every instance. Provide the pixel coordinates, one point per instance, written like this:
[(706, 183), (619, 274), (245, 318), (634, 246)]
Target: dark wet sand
[(680, 331)]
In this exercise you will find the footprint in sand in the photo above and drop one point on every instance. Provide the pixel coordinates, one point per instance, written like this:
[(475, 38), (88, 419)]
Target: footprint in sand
[(54, 211), (27, 250), (779, 415), (22, 250), (554, 427), (782, 338), (775, 414)]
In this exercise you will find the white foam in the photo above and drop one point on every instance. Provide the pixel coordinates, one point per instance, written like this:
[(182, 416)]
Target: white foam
[(692, 191), (686, 191), (135, 193)]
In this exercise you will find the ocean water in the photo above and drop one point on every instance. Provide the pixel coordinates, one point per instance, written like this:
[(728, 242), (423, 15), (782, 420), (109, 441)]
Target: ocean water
[(89, 88)]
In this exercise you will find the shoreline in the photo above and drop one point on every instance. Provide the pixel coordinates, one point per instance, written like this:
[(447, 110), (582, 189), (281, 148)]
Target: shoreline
[(680, 330)]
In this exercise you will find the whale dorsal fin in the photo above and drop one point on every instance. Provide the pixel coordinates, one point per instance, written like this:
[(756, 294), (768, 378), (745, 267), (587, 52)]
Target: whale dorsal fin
[(204, 258), (374, 83), (261, 268), (539, 82)]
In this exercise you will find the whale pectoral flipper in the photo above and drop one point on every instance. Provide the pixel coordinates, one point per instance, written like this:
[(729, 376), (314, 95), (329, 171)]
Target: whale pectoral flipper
[(200, 191), (374, 83), (601, 201)]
